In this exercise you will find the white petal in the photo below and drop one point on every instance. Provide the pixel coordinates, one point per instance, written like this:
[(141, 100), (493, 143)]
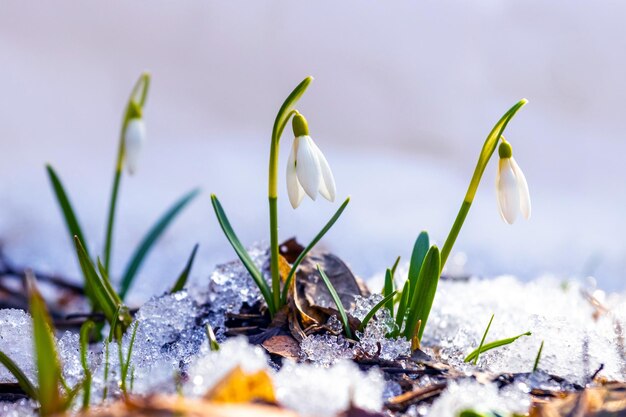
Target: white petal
[(308, 166), (134, 138), (294, 189), (327, 186), (506, 188), (522, 188)]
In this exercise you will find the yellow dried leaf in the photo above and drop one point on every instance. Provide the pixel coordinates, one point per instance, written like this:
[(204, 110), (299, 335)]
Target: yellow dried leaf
[(241, 387), (284, 268)]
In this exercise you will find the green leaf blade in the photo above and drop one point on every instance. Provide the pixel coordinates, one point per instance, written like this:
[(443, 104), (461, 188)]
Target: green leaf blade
[(424, 294), (184, 276), (241, 252), (494, 345), (310, 246), (420, 249), (71, 221), (22, 379), (482, 341), (337, 301), (370, 314), (48, 365), (150, 239)]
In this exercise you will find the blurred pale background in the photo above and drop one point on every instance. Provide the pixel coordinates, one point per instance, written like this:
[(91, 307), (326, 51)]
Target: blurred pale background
[(405, 93)]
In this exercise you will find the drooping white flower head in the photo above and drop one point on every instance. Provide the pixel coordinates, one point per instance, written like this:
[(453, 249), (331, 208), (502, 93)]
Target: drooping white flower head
[(511, 186), (134, 138), (307, 169)]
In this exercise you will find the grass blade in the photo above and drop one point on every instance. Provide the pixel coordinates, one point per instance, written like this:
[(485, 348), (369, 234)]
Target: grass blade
[(126, 365), (85, 331), (402, 306), (213, 345), (337, 300), (105, 298), (420, 249), (150, 239), (482, 341), (241, 252), (538, 358), (378, 306), (22, 379), (395, 266), (310, 246), (388, 289), (48, 365), (493, 345), (182, 278), (424, 294), (73, 227)]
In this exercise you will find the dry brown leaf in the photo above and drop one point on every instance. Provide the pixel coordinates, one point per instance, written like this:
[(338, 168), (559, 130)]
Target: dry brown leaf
[(282, 345), (241, 387)]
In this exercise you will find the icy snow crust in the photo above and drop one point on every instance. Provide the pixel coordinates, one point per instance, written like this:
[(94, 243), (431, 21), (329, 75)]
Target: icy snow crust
[(581, 328)]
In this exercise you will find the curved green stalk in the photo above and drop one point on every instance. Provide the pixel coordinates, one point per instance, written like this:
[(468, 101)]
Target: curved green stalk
[(134, 108), (285, 112), (487, 151)]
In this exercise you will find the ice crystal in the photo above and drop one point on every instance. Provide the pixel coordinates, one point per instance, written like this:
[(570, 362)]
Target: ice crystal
[(325, 350)]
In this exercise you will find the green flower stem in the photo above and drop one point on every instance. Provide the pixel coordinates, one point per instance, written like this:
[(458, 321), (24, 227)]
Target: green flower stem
[(274, 253), (487, 151), (134, 109), (285, 112)]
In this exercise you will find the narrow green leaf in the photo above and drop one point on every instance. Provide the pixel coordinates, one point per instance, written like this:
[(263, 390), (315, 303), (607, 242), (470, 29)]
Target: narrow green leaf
[(48, 365), (482, 341), (402, 307), (422, 244), (73, 227), (374, 310), (107, 284), (22, 379), (538, 358), (182, 278), (104, 297), (493, 345), (388, 289), (424, 294), (395, 266), (85, 331), (150, 239), (126, 364), (310, 246), (337, 300), (213, 345), (241, 252)]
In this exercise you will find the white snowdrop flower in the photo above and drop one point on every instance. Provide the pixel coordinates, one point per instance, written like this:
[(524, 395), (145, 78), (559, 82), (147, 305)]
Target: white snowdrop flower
[(307, 168), (511, 186), (134, 137)]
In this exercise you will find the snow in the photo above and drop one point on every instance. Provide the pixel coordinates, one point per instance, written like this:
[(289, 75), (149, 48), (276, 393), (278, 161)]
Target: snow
[(580, 325), (16, 342), (471, 395), (575, 344)]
